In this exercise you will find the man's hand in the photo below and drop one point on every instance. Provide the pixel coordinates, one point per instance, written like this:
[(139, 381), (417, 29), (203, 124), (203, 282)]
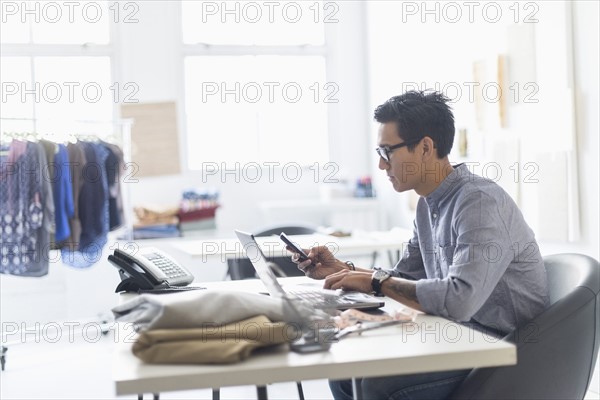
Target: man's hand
[(349, 280), (320, 264)]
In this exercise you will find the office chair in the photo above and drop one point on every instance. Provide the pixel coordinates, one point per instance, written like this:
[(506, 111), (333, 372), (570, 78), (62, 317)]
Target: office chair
[(239, 269), (556, 351)]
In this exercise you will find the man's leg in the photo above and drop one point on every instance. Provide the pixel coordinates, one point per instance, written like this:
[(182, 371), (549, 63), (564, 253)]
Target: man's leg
[(342, 390), (428, 386)]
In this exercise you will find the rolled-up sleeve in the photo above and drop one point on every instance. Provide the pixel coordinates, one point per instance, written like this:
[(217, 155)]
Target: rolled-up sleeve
[(482, 253)]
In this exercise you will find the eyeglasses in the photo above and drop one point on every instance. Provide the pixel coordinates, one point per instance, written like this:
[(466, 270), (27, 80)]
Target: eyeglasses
[(385, 151)]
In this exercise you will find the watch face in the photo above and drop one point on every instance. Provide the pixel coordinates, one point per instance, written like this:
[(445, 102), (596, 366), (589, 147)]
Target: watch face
[(380, 274)]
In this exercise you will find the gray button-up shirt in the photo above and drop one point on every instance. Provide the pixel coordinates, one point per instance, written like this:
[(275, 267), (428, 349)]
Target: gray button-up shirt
[(473, 255)]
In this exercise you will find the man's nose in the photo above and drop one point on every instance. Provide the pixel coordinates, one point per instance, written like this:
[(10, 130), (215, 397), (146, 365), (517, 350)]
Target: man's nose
[(382, 164)]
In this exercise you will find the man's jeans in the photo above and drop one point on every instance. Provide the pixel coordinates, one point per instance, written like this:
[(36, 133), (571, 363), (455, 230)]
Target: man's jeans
[(429, 386)]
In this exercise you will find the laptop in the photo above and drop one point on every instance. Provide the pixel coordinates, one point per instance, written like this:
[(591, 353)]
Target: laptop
[(319, 298)]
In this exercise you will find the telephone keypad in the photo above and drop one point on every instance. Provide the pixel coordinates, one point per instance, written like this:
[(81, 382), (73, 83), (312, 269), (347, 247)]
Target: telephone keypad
[(168, 267)]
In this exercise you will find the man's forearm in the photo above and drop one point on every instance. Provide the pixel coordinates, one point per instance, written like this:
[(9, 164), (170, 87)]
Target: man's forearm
[(403, 291), (343, 265)]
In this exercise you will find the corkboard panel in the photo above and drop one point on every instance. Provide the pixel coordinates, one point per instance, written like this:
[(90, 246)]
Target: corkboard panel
[(154, 137)]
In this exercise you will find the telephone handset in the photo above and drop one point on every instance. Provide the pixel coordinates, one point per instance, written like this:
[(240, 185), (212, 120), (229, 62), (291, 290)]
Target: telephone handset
[(149, 270)]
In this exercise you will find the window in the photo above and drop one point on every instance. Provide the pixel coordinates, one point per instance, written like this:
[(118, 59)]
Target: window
[(256, 86), (56, 22), (56, 65), (254, 23)]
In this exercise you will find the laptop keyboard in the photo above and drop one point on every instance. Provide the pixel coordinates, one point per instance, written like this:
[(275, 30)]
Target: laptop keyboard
[(320, 299)]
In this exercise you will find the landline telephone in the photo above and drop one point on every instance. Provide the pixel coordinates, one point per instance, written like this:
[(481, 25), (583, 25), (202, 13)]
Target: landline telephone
[(150, 270)]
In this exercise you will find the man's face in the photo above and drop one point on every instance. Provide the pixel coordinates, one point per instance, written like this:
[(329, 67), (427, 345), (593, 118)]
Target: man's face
[(402, 169)]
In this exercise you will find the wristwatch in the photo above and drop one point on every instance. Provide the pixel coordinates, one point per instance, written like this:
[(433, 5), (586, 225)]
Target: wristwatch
[(377, 280)]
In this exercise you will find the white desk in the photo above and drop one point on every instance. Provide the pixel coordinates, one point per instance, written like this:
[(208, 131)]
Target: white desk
[(361, 243), (343, 212), (429, 344)]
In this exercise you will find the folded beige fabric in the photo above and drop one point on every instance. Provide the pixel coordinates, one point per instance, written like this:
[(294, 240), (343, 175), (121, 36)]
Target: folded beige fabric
[(156, 221), (149, 214), (211, 344)]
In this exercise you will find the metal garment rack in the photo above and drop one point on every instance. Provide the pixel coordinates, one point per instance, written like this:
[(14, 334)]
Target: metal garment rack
[(123, 127)]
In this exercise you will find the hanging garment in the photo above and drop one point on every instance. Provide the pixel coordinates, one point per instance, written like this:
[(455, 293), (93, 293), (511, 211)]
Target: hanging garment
[(39, 265), (63, 193), (77, 163), (26, 212), (48, 171), (93, 209), (114, 166)]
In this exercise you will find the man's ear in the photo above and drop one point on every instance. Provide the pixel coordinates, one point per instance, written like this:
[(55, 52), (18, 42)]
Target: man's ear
[(428, 148)]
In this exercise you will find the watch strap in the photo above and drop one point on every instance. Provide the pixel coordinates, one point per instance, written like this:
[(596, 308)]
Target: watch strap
[(377, 283)]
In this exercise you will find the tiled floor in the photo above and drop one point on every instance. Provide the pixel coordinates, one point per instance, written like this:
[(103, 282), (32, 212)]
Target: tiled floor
[(81, 369)]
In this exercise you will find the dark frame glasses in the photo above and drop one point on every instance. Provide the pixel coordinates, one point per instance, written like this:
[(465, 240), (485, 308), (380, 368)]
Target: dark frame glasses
[(385, 151)]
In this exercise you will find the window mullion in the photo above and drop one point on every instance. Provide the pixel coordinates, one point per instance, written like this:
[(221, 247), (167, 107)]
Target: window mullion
[(67, 50), (215, 50)]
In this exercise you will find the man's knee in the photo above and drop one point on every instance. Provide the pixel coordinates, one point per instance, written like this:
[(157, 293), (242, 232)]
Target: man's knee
[(341, 390), (375, 388), (418, 386)]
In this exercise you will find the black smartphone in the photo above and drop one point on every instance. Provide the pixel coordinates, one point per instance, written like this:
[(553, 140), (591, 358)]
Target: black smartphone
[(302, 256)]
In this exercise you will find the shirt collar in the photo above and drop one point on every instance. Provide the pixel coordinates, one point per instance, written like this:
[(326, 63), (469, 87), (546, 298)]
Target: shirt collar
[(438, 194)]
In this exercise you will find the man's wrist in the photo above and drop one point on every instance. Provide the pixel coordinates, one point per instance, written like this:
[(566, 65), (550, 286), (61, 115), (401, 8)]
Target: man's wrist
[(378, 277)]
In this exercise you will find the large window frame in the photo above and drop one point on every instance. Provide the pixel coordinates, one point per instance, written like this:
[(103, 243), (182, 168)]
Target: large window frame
[(38, 50), (208, 50)]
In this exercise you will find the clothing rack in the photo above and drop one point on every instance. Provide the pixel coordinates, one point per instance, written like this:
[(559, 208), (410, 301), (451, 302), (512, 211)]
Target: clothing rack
[(121, 127), (123, 138)]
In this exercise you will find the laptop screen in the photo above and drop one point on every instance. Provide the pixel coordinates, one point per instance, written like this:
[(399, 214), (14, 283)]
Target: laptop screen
[(259, 262)]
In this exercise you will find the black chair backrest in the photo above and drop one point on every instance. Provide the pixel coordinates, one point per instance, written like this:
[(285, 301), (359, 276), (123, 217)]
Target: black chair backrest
[(242, 268), (569, 271), (557, 350)]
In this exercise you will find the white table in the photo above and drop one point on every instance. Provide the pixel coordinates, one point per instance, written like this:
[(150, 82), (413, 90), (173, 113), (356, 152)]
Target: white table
[(430, 344), (346, 213), (359, 243)]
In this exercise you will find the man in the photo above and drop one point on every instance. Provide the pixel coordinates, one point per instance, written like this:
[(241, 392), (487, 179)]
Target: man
[(472, 257)]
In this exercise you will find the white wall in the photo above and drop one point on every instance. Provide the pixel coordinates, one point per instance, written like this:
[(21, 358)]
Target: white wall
[(587, 66)]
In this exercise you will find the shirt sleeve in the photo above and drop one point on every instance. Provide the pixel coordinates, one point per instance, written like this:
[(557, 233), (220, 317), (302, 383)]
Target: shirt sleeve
[(481, 255), (410, 265)]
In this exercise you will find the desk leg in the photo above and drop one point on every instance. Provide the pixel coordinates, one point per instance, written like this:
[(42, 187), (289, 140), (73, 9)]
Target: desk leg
[(155, 396), (261, 393), (300, 390), (356, 390), (216, 394), (3, 350)]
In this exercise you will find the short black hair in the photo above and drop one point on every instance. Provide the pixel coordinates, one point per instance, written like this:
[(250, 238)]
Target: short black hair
[(418, 114)]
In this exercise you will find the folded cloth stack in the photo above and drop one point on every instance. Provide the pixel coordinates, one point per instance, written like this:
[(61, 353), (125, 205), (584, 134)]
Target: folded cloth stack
[(211, 344), (205, 327), (155, 223), (148, 216)]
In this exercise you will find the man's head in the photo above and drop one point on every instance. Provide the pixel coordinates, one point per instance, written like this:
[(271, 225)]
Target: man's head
[(415, 137)]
